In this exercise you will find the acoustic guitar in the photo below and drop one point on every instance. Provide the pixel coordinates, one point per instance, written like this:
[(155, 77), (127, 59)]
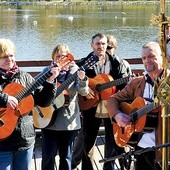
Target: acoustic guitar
[(44, 116), (9, 117), (104, 86), (138, 111)]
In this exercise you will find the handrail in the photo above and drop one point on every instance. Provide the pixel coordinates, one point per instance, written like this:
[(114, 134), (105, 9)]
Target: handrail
[(36, 66)]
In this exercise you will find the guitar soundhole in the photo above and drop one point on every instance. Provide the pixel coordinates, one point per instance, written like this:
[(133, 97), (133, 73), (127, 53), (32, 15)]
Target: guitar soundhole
[(134, 139), (1, 123), (122, 130), (84, 98)]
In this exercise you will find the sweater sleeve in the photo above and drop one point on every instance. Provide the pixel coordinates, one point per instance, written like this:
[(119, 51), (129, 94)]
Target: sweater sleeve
[(44, 96)]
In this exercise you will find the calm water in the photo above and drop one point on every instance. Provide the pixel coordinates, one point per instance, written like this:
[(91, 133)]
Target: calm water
[(36, 30)]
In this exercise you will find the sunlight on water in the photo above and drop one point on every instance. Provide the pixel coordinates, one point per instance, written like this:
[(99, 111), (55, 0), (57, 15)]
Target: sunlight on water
[(36, 30)]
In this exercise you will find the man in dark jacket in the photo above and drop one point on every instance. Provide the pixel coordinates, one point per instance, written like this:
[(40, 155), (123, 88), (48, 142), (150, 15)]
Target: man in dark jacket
[(93, 117)]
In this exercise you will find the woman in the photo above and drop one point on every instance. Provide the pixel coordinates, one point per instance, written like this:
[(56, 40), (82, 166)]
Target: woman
[(59, 137), (16, 150)]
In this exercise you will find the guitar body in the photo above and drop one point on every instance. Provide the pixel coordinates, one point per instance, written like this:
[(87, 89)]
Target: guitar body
[(123, 134), (100, 79), (9, 117), (85, 103), (42, 116)]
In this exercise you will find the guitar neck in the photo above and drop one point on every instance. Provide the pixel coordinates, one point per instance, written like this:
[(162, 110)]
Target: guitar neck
[(101, 87), (143, 111), (88, 63), (65, 84), (33, 86)]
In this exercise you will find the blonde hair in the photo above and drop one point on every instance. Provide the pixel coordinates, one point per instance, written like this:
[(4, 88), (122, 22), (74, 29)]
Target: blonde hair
[(58, 48), (112, 41), (5, 45)]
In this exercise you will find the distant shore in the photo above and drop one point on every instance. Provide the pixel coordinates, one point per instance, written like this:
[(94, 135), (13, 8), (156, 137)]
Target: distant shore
[(44, 3)]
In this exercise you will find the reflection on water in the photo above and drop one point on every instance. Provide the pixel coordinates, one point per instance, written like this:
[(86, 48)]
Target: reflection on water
[(36, 30)]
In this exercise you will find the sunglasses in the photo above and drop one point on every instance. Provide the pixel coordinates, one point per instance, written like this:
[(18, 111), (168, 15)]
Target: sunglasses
[(109, 47)]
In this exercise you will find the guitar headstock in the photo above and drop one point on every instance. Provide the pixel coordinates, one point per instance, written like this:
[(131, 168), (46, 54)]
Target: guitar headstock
[(64, 60), (90, 62)]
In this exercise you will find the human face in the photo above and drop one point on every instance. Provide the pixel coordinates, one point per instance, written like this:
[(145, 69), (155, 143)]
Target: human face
[(59, 54), (7, 60), (152, 60), (167, 30), (110, 49), (58, 57), (99, 46)]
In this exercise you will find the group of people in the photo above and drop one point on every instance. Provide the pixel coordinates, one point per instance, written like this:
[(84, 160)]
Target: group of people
[(70, 122)]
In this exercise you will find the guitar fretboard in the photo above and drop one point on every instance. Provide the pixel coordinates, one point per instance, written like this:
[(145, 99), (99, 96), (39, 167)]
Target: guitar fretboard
[(33, 86), (88, 63), (101, 87), (65, 84), (148, 108)]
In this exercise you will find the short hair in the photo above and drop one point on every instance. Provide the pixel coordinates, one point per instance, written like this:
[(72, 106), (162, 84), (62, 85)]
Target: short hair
[(100, 35), (5, 45), (58, 48), (112, 40), (154, 46)]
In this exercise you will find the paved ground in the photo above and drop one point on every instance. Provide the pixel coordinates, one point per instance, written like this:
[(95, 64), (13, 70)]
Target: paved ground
[(98, 155)]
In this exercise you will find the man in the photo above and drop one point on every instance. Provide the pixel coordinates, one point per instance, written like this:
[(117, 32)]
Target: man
[(140, 86), (112, 46), (16, 149), (93, 117)]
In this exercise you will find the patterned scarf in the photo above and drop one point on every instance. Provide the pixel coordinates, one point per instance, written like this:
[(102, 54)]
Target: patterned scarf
[(10, 73)]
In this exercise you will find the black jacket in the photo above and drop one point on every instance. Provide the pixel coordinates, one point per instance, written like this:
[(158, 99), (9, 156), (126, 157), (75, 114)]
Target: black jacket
[(23, 135)]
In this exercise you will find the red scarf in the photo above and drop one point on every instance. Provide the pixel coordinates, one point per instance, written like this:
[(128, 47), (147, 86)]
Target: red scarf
[(10, 73)]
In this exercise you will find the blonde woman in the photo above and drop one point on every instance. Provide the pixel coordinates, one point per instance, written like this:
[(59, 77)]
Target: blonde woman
[(16, 150), (59, 137)]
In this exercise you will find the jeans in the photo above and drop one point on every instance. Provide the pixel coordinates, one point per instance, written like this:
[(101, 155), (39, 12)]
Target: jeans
[(57, 142), (16, 160), (77, 149)]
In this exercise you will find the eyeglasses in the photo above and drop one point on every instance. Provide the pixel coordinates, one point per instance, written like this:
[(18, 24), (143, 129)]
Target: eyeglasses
[(109, 47), (6, 56), (58, 56)]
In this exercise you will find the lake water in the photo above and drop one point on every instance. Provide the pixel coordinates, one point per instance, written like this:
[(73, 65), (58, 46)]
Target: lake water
[(37, 29)]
